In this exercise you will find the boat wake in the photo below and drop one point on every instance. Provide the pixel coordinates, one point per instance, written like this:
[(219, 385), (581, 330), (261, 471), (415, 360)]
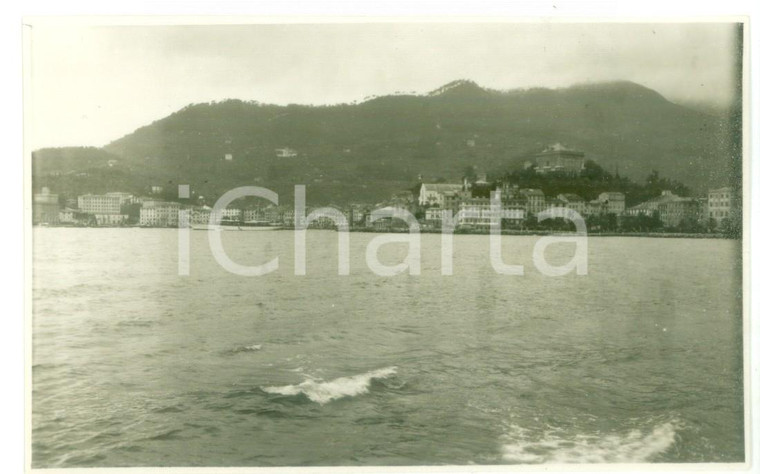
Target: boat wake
[(632, 447), (325, 392)]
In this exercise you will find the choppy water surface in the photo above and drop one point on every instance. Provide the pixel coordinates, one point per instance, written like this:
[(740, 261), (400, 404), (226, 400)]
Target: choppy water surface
[(133, 365)]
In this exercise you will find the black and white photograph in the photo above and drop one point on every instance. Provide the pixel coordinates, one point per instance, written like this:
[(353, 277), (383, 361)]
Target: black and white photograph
[(378, 243)]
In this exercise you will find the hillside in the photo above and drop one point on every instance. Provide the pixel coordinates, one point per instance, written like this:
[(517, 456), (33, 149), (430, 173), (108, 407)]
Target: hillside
[(370, 150)]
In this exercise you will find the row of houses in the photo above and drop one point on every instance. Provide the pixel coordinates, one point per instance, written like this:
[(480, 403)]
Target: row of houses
[(516, 204), (103, 210), (435, 199), (672, 210), (119, 209), (167, 214), (557, 159)]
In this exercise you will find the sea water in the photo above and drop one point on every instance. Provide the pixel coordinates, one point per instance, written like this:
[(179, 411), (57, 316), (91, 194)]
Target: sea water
[(135, 365)]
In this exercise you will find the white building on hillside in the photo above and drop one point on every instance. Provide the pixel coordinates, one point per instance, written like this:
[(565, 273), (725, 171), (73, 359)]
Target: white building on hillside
[(431, 194)]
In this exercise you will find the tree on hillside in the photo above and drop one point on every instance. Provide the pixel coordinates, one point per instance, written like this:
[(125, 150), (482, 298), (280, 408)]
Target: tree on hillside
[(594, 172), (471, 173), (655, 185)]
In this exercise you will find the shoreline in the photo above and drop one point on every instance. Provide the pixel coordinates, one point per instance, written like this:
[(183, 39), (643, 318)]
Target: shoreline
[(542, 233), (538, 233)]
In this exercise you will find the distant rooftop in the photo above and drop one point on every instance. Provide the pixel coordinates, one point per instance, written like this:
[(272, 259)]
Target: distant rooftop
[(558, 147), (665, 196), (442, 187), (569, 197)]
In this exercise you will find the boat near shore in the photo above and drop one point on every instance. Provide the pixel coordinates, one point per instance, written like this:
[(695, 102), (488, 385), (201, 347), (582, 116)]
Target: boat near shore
[(238, 226)]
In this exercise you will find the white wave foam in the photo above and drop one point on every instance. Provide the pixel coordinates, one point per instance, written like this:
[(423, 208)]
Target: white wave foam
[(249, 348), (635, 446), (324, 392)]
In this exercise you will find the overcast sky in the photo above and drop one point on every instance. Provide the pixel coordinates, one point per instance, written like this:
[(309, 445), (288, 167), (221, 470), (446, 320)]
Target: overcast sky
[(91, 85)]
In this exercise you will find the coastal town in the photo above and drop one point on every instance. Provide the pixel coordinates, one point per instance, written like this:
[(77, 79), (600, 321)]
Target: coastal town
[(469, 200), (482, 242)]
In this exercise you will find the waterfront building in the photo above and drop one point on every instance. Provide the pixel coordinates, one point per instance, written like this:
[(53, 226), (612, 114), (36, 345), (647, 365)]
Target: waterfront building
[(99, 204), (273, 215), (671, 209), (721, 203), (650, 207), (110, 220), (431, 194), (535, 201), (159, 214), (513, 214), (253, 215), (674, 211), (434, 214), (704, 217), (608, 203), (124, 198), (479, 213), (476, 213), (357, 215), (72, 216), (559, 159), (288, 217), (202, 215), (612, 202), (393, 218), (572, 201), (453, 199), (647, 208), (514, 201), (66, 216), (232, 214), (594, 208), (321, 222), (157, 217), (45, 207)]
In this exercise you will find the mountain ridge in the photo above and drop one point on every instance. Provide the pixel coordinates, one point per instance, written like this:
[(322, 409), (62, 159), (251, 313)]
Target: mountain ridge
[(381, 145)]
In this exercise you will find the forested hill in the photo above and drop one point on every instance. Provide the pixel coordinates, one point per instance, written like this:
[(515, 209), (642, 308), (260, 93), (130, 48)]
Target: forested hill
[(367, 151)]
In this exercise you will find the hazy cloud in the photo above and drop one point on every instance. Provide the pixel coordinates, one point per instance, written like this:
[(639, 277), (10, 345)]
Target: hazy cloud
[(91, 85)]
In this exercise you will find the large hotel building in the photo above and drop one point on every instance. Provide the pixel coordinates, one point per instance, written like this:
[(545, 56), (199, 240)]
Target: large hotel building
[(99, 204), (720, 203)]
